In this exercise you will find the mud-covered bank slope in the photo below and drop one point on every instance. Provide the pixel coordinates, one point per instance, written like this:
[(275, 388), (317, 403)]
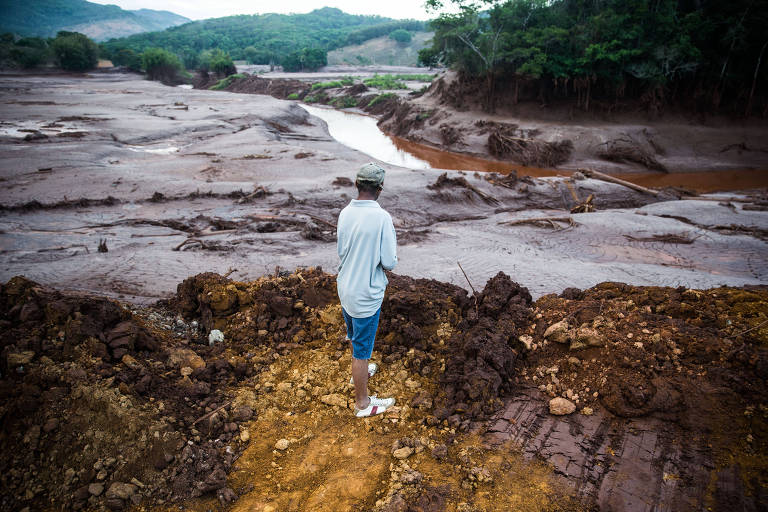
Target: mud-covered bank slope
[(448, 116), (663, 392)]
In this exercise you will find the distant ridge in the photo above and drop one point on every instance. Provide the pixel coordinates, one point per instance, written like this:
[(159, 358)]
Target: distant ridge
[(44, 18)]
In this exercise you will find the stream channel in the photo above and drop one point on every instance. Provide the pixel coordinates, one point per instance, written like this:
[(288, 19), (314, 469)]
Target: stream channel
[(361, 132)]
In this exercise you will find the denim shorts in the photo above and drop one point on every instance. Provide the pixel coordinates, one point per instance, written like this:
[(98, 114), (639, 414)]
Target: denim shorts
[(362, 333)]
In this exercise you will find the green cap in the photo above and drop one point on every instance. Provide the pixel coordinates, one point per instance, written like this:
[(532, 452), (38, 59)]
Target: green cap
[(371, 173)]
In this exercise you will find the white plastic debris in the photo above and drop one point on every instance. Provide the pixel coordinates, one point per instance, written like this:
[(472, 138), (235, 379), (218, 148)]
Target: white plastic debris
[(216, 336)]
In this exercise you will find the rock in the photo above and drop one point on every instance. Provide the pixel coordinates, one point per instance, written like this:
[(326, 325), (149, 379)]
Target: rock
[(181, 357), (587, 411), (412, 384), (245, 435), (403, 453), (440, 451), (587, 337), (51, 425), (121, 491), (96, 489), (334, 399), (527, 341), (282, 444), (411, 477), (20, 358), (226, 496), (284, 386), (243, 413), (575, 361), (560, 406), (558, 332), (186, 371), (131, 362), (215, 336)]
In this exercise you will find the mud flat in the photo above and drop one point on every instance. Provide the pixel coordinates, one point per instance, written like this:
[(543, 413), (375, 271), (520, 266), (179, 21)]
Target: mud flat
[(248, 182)]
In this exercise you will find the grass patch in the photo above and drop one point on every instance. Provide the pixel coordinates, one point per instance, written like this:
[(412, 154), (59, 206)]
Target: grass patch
[(382, 97), (346, 81), (416, 78), (344, 102), (384, 82), (226, 82), (293, 96)]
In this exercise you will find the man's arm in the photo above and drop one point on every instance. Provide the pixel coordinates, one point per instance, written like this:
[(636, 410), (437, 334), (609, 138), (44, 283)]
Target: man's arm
[(388, 245)]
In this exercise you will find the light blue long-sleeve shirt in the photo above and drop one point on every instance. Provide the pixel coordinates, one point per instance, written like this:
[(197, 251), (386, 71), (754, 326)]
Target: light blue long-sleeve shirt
[(367, 246)]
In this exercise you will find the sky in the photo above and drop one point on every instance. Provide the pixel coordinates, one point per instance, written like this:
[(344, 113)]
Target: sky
[(201, 9)]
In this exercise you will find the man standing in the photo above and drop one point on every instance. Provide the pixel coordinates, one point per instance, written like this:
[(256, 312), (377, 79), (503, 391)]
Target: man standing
[(367, 246)]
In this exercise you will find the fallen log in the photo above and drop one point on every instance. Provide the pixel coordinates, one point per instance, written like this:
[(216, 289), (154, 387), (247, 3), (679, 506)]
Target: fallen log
[(551, 221), (591, 173)]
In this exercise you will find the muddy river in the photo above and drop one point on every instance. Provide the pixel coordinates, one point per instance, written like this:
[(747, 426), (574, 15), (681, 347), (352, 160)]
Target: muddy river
[(360, 132)]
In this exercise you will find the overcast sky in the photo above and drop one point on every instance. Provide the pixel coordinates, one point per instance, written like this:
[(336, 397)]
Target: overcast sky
[(200, 9)]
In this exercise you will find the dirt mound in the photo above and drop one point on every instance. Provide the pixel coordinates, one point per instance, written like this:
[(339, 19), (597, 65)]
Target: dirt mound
[(506, 142), (251, 84)]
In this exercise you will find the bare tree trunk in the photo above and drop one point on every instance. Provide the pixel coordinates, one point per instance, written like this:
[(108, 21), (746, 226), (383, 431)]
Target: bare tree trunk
[(517, 91), (754, 80)]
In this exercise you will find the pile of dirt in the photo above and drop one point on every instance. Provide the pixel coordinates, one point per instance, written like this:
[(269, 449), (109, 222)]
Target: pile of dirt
[(252, 84), (114, 406), (626, 149)]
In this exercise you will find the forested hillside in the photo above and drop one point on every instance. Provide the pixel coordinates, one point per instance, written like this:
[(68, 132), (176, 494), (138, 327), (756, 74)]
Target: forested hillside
[(705, 55), (265, 38), (44, 18)]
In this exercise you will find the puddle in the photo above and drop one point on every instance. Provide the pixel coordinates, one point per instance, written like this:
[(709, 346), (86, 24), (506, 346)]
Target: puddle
[(155, 151), (361, 132)]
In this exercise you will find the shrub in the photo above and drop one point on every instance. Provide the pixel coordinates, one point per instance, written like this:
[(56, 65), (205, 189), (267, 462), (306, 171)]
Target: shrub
[(74, 51), (162, 65), (344, 102), (382, 97), (384, 82), (226, 82), (400, 35), (216, 61), (127, 58), (293, 96), (306, 59)]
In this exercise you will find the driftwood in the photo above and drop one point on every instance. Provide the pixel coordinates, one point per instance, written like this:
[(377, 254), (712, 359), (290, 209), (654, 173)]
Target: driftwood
[(444, 181), (585, 206), (542, 222), (591, 173)]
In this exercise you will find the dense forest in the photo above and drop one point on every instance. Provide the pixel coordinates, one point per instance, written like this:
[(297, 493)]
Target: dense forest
[(44, 18), (704, 55), (265, 38)]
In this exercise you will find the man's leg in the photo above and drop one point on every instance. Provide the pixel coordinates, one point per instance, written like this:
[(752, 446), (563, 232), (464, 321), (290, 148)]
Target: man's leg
[(360, 377)]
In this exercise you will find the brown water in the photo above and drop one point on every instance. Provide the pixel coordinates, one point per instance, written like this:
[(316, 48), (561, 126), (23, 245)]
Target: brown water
[(702, 182)]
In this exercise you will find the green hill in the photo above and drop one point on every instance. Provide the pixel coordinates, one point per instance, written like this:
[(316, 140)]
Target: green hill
[(265, 38), (382, 50), (44, 18)]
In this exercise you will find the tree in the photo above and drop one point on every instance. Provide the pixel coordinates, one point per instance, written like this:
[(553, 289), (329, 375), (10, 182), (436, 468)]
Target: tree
[(162, 65), (74, 51), (306, 59), (401, 36), (127, 58), (216, 61)]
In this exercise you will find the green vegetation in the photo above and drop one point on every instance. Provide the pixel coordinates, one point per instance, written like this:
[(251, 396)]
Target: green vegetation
[(45, 18), (702, 54), (310, 99), (297, 41), (292, 96), (162, 65), (216, 61), (401, 36), (344, 102), (384, 82), (226, 82), (382, 50), (416, 77), (346, 81), (75, 52), (382, 97)]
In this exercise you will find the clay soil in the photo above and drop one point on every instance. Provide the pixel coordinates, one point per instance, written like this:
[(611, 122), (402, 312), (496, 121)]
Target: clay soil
[(110, 405)]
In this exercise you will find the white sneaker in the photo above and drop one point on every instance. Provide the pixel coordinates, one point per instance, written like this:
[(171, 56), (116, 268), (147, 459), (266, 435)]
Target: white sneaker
[(372, 367), (375, 406)]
